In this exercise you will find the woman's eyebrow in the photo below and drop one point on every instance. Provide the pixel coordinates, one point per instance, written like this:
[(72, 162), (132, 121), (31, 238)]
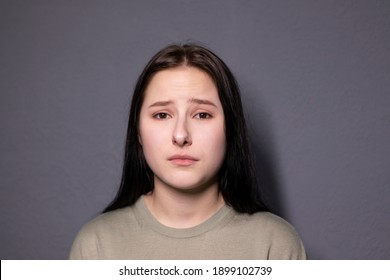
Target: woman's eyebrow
[(192, 100), (202, 101), (161, 103)]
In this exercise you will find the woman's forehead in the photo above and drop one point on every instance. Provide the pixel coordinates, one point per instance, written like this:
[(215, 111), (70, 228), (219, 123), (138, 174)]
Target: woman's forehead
[(181, 83)]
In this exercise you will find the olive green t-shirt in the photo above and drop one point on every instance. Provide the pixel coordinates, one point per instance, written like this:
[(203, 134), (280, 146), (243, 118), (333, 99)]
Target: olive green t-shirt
[(133, 233)]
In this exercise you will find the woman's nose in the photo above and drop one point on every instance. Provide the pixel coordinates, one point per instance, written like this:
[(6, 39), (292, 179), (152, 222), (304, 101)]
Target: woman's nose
[(181, 136)]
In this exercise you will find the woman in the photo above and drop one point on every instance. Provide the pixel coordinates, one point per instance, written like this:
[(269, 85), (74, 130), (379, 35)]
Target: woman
[(187, 189)]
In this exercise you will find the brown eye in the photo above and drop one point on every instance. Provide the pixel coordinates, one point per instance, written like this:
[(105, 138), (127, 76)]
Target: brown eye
[(161, 116), (202, 116)]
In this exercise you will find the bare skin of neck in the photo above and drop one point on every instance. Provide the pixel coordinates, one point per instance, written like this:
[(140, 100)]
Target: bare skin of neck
[(182, 208)]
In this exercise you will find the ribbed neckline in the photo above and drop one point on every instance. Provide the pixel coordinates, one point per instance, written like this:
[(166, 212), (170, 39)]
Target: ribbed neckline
[(145, 218)]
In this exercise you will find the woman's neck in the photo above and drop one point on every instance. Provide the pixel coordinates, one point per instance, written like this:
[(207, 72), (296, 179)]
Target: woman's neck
[(183, 209)]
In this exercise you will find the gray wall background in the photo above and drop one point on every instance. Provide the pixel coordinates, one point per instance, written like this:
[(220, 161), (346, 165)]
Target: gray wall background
[(315, 79)]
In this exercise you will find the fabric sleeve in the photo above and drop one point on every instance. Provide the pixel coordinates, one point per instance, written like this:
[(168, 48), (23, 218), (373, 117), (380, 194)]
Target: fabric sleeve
[(85, 246), (286, 243)]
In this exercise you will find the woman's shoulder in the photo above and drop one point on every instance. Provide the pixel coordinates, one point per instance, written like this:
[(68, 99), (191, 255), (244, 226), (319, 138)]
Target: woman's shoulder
[(106, 226), (268, 223), (267, 228), (110, 220), (273, 221), (267, 235)]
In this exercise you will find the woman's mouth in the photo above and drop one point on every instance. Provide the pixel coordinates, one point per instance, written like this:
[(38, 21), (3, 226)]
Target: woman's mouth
[(182, 160)]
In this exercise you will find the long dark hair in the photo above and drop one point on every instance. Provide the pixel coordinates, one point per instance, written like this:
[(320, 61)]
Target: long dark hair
[(236, 177)]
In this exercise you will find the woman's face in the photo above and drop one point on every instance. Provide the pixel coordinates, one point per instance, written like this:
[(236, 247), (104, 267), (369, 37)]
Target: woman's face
[(182, 129)]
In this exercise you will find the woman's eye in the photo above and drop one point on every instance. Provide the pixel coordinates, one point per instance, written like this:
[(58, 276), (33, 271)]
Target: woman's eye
[(202, 116), (161, 116)]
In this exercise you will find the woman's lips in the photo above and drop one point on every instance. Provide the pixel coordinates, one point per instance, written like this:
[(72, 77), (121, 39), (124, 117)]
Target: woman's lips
[(182, 160)]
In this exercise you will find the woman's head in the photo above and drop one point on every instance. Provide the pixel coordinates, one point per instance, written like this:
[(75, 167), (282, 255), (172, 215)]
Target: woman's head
[(181, 130), (235, 174)]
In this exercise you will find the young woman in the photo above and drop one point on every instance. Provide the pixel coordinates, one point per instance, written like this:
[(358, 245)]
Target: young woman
[(187, 189)]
